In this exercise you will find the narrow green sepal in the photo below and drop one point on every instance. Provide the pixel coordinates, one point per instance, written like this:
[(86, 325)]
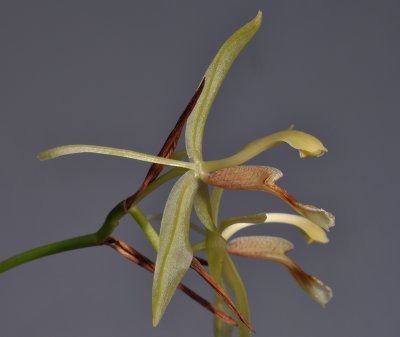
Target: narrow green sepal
[(175, 252), (214, 76), (202, 206)]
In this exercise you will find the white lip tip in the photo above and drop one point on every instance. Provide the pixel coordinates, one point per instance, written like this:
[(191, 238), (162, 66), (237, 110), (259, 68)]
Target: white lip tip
[(320, 292)]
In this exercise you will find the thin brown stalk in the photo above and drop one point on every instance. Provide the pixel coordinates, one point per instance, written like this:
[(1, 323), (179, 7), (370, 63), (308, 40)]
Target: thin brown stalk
[(197, 266), (168, 148), (141, 260), (203, 262)]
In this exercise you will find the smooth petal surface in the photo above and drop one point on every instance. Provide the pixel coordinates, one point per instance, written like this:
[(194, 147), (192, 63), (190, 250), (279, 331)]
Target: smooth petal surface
[(110, 151), (235, 283), (306, 144), (216, 253), (313, 232), (215, 249), (263, 178), (217, 258), (275, 249), (250, 219), (158, 217), (202, 206), (216, 196), (175, 253), (221, 328), (214, 76)]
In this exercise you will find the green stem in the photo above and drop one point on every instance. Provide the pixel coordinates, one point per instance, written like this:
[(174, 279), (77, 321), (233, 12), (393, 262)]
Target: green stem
[(111, 222), (146, 227), (97, 238), (50, 249), (84, 241)]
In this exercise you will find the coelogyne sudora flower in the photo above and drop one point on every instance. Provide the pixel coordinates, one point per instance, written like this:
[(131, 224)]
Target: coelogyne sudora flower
[(173, 246)]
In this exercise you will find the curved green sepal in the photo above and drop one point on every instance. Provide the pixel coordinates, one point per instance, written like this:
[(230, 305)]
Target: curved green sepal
[(110, 151), (202, 206), (216, 196), (221, 328), (253, 219), (232, 276), (215, 249), (216, 253), (312, 232), (306, 144), (214, 76)]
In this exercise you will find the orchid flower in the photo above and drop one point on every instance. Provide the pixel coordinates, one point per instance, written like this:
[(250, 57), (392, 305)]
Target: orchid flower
[(219, 246), (275, 249), (175, 252)]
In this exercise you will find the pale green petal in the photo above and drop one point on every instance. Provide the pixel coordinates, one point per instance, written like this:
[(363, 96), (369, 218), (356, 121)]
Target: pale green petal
[(222, 329), (216, 252), (175, 253), (198, 247), (214, 76), (313, 232), (306, 144), (235, 283), (252, 219), (202, 206), (215, 249), (216, 196), (275, 249), (158, 217), (110, 151)]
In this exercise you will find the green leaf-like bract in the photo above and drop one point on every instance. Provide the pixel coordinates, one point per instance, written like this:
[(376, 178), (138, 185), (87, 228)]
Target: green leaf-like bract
[(175, 253)]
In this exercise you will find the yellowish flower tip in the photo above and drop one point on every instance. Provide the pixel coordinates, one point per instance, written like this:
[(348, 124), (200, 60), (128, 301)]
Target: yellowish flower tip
[(155, 321), (309, 240), (44, 155), (322, 218), (316, 153), (313, 233), (308, 145), (259, 17)]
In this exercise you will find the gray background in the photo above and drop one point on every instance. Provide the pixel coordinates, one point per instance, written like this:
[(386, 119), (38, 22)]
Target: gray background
[(119, 73)]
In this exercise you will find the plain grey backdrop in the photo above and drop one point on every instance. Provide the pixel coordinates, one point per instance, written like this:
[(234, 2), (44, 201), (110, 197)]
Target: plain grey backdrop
[(119, 73)]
